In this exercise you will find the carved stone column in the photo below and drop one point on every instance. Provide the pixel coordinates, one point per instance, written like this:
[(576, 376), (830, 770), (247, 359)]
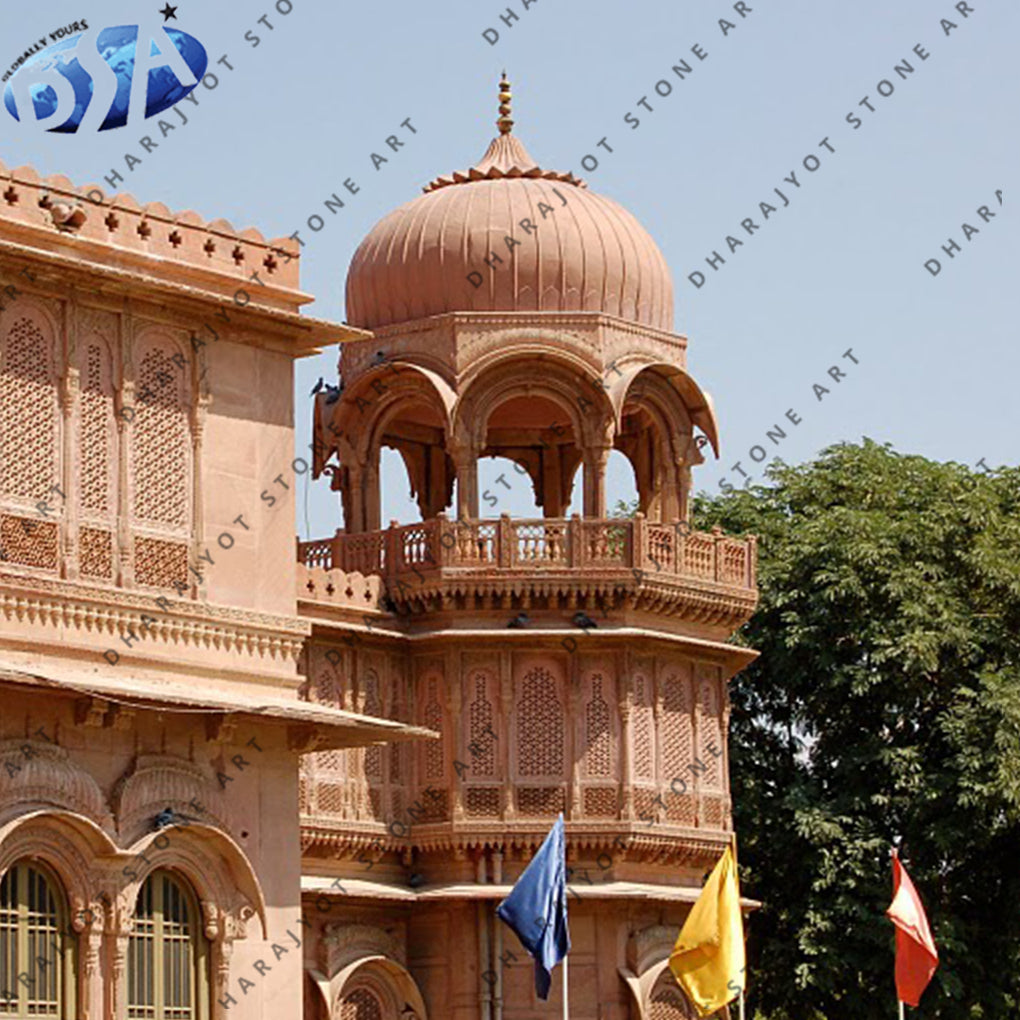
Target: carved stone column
[(126, 408), (454, 696), (199, 411), (370, 495), (221, 951), (116, 999), (508, 726), (624, 691), (575, 734), (91, 943), (596, 458), (465, 463), (67, 500), (123, 552)]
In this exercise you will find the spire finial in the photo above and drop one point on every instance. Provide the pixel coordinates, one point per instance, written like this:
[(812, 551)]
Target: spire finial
[(505, 122)]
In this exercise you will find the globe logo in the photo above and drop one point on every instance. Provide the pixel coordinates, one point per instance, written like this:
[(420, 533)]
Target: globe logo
[(97, 79)]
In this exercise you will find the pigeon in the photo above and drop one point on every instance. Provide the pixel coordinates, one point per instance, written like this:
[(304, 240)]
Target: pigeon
[(520, 620), (318, 386), (333, 393), (582, 619), (165, 818)]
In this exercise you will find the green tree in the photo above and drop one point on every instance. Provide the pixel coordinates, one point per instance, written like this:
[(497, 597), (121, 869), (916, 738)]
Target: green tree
[(885, 703)]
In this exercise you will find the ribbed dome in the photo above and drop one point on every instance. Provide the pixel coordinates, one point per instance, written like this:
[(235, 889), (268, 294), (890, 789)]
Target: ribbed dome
[(585, 254)]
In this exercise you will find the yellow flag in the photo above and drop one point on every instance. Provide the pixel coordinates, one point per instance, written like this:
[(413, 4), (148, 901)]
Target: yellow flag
[(708, 958)]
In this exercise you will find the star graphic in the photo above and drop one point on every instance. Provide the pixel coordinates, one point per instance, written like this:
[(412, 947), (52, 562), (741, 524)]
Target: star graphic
[(169, 12)]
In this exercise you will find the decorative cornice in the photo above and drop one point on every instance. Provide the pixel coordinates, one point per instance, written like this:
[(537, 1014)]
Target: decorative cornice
[(671, 844), (113, 612)]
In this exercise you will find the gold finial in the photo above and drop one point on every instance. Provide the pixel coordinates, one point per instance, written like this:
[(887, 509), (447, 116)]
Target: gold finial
[(505, 122)]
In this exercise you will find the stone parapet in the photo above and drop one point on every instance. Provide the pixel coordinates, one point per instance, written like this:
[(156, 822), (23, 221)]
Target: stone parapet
[(51, 212)]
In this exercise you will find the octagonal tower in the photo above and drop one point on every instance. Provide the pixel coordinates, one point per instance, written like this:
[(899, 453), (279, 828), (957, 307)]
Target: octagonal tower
[(570, 664)]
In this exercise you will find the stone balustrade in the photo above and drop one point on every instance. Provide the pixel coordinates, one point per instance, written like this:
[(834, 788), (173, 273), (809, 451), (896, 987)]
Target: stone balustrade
[(409, 556)]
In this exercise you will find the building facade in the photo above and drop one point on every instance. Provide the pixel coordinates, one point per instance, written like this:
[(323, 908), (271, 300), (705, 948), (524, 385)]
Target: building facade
[(243, 783)]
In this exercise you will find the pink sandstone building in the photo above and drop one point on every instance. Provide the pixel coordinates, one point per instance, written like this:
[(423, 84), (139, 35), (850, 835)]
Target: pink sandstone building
[(237, 782)]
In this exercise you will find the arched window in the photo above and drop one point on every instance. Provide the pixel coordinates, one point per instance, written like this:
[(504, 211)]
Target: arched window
[(167, 960), (362, 1004), (36, 956), (668, 1002)]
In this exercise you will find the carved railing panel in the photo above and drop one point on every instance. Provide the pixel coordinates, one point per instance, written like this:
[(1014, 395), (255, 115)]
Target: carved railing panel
[(669, 550)]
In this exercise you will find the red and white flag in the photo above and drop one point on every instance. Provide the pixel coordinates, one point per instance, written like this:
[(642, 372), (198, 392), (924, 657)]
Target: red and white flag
[(916, 955)]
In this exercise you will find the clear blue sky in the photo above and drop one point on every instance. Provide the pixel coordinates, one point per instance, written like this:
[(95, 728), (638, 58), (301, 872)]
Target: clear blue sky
[(841, 267)]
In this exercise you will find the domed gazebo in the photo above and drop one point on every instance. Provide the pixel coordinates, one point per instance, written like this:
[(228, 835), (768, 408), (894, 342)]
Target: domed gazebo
[(518, 314)]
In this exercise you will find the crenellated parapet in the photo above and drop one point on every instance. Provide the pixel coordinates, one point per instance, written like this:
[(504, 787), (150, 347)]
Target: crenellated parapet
[(86, 222)]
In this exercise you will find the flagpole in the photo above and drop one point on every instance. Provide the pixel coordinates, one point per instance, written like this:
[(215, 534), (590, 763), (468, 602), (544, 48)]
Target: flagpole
[(566, 992), (733, 843)]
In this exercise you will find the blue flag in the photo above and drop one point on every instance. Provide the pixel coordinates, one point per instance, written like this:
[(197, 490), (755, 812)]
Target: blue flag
[(536, 908)]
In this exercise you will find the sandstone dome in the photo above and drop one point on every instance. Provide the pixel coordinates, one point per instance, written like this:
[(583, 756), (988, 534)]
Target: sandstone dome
[(582, 252)]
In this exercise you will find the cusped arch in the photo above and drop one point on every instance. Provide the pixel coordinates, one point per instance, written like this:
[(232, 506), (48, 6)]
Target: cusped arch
[(46, 776), (223, 878)]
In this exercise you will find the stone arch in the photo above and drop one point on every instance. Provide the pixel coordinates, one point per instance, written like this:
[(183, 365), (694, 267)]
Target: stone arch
[(401, 406), (547, 413), (151, 336), (72, 846), (382, 977), (654, 990), (224, 881), (666, 999), (657, 409), (697, 402), (27, 306)]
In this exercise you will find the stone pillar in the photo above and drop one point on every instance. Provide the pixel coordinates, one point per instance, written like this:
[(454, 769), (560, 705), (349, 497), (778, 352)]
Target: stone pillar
[(454, 682), (623, 704), (117, 990), (595, 460), (553, 503), (123, 552), (199, 413), (370, 495), (508, 726), (69, 396), (90, 953), (465, 461)]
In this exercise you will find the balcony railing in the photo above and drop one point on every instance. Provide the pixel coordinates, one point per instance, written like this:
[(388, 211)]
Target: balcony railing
[(537, 546)]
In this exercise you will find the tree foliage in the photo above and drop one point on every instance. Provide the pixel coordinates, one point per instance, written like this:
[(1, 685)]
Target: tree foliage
[(885, 704)]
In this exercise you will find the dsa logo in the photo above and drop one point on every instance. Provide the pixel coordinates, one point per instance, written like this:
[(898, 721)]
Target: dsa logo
[(102, 78)]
